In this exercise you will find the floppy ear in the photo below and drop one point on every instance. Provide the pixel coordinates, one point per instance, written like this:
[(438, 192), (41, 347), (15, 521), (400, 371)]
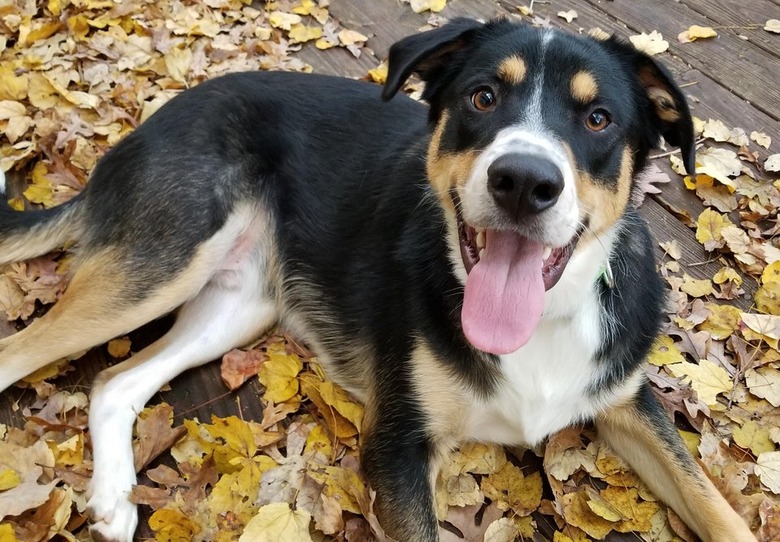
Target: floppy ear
[(423, 53), (670, 107)]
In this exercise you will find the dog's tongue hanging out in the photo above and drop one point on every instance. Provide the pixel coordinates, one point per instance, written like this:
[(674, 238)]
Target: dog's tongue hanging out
[(504, 294)]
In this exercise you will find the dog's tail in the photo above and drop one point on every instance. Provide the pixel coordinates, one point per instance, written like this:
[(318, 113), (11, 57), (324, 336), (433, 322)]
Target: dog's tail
[(28, 234)]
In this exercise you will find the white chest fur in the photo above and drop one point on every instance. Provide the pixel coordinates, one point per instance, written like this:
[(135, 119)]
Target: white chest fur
[(546, 385)]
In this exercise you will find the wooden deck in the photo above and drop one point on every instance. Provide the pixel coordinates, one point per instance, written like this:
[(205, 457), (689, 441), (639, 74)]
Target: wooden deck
[(734, 77)]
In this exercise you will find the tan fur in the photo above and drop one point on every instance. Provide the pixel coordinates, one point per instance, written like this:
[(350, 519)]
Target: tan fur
[(447, 170), (688, 491), (664, 104), (512, 70), (441, 397), (602, 202), (584, 87), (94, 309)]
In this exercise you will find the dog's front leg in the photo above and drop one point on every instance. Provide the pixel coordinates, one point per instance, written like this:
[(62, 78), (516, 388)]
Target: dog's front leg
[(399, 460), (641, 433)]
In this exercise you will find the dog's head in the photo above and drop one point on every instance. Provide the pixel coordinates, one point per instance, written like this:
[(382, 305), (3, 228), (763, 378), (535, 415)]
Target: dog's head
[(537, 136)]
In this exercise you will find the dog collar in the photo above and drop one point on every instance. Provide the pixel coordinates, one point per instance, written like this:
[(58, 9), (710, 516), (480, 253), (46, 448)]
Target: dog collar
[(606, 275)]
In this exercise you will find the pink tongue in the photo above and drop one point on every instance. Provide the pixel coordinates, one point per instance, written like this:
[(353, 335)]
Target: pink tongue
[(504, 296)]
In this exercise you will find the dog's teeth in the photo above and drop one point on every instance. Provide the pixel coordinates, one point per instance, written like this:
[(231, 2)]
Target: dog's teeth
[(480, 253), (481, 239), (547, 252)]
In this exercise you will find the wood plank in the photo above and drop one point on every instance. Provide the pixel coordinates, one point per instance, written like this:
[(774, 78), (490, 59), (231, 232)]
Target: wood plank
[(736, 18), (749, 71)]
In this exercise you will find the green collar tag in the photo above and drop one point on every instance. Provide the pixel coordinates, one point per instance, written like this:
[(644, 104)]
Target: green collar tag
[(605, 274)]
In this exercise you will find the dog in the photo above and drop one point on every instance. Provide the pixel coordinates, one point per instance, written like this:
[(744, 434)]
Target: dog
[(470, 270)]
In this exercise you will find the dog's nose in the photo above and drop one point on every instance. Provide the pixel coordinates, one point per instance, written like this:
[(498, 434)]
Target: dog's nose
[(524, 184)]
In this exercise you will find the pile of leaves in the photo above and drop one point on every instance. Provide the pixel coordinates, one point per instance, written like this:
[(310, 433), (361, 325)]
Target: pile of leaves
[(76, 76)]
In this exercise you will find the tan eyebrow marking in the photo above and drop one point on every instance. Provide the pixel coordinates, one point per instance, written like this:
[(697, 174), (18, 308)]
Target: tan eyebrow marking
[(512, 70), (584, 87)]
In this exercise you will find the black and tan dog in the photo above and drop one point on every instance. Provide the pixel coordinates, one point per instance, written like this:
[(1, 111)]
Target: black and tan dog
[(447, 263)]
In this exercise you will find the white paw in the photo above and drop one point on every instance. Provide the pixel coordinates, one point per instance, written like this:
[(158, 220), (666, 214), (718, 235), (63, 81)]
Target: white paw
[(114, 517)]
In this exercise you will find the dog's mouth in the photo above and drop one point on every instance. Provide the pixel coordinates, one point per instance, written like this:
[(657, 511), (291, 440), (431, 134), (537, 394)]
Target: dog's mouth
[(508, 275)]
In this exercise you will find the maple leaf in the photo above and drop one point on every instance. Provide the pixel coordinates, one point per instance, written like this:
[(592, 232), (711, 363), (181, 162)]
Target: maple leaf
[(764, 382), (646, 183), (511, 489), (761, 138), (708, 379), (277, 521), (279, 374), (751, 436)]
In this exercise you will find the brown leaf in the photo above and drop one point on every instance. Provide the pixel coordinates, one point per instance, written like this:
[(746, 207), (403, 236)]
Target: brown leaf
[(154, 434), (238, 366)]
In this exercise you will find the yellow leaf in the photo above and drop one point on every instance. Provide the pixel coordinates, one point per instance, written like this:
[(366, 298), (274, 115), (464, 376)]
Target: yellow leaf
[(12, 87), (577, 513), (753, 437), (722, 321), (764, 382), (41, 190), (279, 374), (79, 26), (771, 273), (708, 229), (696, 287), (119, 348), (765, 326), (379, 74), (727, 274), (603, 509), (300, 33), (342, 484), (336, 422), (636, 513), (55, 7), (9, 478), (280, 19), (322, 44), (70, 452), (351, 37), (691, 440), (512, 490), (696, 32), (418, 6), (7, 533), (178, 62), (275, 522), (767, 298), (706, 378), (172, 526), (340, 400), (664, 352)]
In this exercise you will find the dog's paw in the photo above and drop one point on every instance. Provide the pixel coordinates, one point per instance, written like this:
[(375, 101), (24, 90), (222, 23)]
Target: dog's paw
[(114, 517)]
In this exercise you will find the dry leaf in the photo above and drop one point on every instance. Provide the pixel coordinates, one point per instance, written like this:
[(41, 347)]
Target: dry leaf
[(650, 44), (568, 15), (772, 25), (696, 32), (275, 522), (772, 163), (708, 379), (761, 138), (768, 470), (418, 6)]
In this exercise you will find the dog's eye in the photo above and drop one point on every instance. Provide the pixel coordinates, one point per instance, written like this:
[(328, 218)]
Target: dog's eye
[(598, 120), (483, 99)]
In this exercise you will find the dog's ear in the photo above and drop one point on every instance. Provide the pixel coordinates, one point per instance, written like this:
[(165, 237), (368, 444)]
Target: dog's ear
[(666, 108), (670, 108), (425, 52)]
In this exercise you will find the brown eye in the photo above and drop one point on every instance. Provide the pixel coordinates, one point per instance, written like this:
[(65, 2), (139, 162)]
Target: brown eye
[(483, 99), (598, 120)]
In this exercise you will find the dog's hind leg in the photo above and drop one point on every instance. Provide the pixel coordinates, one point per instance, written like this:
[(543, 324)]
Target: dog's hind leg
[(641, 434), (95, 308), (230, 311)]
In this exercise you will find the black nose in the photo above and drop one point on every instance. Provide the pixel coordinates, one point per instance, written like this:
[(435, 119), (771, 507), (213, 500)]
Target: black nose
[(524, 184)]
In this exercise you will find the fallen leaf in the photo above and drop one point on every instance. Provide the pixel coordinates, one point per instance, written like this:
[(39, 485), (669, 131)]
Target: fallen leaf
[(34, 486), (772, 163), (238, 366), (708, 379), (664, 352), (650, 44), (568, 15), (761, 138), (275, 522), (696, 32), (772, 25), (753, 437), (768, 470), (764, 382), (435, 6)]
